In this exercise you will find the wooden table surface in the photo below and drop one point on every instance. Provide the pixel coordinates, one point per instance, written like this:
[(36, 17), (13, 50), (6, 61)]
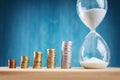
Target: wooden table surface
[(59, 74)]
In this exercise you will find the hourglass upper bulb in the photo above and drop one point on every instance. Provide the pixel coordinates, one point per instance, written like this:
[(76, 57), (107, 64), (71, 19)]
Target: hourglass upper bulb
[(91, 17)]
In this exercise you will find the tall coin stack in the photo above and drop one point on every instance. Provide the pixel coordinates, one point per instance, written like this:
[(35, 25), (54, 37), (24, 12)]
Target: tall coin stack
[(37, 60), (66, 54), (24, 61), (51, 60), (12, 63)]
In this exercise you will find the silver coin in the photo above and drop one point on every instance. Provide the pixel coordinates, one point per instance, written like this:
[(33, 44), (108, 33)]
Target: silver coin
[(66, 46), (66, 54), (67, 58), (64, 64), (66, 43)]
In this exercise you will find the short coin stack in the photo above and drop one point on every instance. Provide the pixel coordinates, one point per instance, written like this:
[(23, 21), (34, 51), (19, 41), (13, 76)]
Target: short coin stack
[(66, 54), (12, 63), (24, 61), (37, 60), (51, 60)]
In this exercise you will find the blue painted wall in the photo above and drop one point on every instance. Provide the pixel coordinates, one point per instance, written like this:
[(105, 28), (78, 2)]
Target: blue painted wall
[(36, 25)]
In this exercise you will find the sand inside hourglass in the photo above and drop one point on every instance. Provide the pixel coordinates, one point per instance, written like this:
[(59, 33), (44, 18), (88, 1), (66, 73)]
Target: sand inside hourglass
[(92, 17), (94, 63)]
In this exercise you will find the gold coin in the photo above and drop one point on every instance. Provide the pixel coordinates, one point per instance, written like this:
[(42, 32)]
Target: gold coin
[(37, 63), (51, 66), (37, 67), (24, 64), (51, 59), (37, 58), (24, 58), (52, 54), (37, 53), (51, 62), (51, 50)]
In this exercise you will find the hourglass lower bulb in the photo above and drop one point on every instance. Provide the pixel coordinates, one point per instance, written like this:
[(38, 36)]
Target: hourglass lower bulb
[(94, 52)]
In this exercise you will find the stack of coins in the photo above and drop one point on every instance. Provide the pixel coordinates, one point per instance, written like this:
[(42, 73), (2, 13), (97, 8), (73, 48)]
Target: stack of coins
[(66, 54), (37, 60), (51, 60), (24, 61), (12, 63)]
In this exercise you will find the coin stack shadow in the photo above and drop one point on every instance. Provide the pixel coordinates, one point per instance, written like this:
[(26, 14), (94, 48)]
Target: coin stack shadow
[(37, 60), (12, 63), (24, 61), (66, 54), (51, 60)]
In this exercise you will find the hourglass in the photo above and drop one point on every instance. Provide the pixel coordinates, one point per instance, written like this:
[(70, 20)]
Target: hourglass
[(94, 52)]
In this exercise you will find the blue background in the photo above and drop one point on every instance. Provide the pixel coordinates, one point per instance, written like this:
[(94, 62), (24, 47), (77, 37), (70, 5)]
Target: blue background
[(36, 25)]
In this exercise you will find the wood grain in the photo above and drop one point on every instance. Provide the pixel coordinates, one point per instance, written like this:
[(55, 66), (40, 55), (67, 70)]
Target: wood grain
[(59, 74)]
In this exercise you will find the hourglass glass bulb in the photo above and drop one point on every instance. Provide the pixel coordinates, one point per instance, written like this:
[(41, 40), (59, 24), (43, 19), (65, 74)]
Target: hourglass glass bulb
[(94, 52), (93, 17)]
